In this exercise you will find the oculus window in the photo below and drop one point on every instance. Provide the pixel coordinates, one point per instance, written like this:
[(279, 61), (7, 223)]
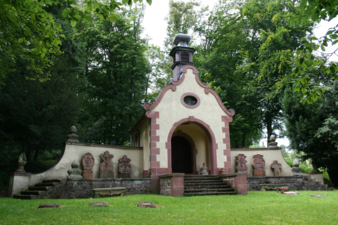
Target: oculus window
[(190, 100)]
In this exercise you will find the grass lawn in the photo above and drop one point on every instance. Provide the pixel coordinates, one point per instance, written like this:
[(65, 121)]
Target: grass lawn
[(255, 208)]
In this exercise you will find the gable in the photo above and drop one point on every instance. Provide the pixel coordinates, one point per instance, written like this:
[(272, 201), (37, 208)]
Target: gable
[(172, 96)]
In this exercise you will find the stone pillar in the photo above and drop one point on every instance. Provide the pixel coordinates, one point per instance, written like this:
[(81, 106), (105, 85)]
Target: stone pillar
[(19, 181), (240, 183), (172, 184), (317, 177)]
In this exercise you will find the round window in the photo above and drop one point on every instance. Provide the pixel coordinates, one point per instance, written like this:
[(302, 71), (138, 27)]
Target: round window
[(190, 100)]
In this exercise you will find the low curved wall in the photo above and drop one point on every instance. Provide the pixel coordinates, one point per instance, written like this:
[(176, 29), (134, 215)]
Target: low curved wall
[(76, 151), (269, 155)]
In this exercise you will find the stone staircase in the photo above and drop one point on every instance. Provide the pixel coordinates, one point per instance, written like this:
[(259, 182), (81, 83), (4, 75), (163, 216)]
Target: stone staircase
[(195, 185), (39, 190)]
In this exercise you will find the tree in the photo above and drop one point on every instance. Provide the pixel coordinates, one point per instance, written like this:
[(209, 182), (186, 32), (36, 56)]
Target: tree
[(30, 32), (116, 69), (275, 42), (311, 128), (313, 11), (36, 116)]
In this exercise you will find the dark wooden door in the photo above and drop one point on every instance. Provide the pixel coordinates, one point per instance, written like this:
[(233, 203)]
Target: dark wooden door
[(181, 155)]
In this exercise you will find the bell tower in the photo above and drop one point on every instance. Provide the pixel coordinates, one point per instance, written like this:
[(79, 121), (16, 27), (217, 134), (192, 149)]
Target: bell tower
[(181, 54)]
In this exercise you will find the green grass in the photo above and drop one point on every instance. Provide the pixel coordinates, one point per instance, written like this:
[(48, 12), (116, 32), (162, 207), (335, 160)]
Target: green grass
[(255, 208)]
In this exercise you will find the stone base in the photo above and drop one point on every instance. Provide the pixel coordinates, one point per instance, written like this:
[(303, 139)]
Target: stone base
[(317, 177), (87, 175), (18, 182), (240, 184), (106, 174), (294, 183), (172, 184), (109, 192), (124, 175), (270, 187), (259, 174)]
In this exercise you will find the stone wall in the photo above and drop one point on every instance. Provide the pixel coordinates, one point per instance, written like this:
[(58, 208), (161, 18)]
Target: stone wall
[(165, 186), (269, 155), (75, 151), (293, 182), (84, 188)]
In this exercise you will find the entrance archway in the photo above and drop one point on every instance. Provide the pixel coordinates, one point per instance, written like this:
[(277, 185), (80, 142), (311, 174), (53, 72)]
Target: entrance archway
[(181, 155), (211, 140)]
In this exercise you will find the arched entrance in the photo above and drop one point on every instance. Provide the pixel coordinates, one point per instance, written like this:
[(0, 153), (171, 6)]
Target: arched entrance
[(212, 145), (181, 155)]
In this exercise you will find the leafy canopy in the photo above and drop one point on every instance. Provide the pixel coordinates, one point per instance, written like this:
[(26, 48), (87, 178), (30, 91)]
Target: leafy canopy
[(28, 31)]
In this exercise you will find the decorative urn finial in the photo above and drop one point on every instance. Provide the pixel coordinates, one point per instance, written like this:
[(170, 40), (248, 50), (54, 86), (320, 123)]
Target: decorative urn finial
[(73, 137)]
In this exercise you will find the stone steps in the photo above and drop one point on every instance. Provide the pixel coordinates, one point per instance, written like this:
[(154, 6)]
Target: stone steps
[(203, 181), (206, 185), (19, 196), (212, 193), (209, 186), (32, 192), (38, 190), (47, 184), (207, 189), (52, 181)]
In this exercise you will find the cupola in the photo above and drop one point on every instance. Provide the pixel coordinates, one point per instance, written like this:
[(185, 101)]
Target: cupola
[(181, 54)]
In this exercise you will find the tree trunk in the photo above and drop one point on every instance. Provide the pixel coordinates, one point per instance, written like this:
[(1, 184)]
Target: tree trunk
[(36, 155), (333, 173), (243, 140)]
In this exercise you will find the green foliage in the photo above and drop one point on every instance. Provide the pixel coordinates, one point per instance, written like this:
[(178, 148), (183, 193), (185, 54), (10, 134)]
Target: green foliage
[(35, 117), (117, 71), (30, 32), (316, 11), (310, 130), (223, 34)]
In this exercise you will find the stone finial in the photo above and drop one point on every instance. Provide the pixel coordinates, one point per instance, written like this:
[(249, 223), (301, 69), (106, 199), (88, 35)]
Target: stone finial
[(106, 168), (87, 164), (272, 143), (181, 39), (241, 164), (75, 172), (295, 162), (22, 162), (204, 170), (258, 163), (276, 167), (124, 167), (296, 170), (73, 137)]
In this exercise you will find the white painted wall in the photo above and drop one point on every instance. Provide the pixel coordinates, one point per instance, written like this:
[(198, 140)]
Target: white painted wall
[(268, 155), (172, 110), (76, 151)]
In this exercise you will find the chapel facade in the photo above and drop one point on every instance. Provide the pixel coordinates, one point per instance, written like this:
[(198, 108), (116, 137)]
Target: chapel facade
[(183, 135), (187, 125)]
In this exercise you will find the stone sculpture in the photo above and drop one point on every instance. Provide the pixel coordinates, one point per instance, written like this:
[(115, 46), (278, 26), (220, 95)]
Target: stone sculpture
[(241, 164), (296, 170), (87, 164), (22, 162), (73, 137), (258, 164), (75, 172), (204, 170), (106, 168), (276, 167), (124, 167), (272, 143)]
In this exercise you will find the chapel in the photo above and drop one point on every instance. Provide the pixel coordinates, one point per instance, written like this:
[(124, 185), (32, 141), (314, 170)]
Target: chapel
[(181, 146), (187, 125)]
